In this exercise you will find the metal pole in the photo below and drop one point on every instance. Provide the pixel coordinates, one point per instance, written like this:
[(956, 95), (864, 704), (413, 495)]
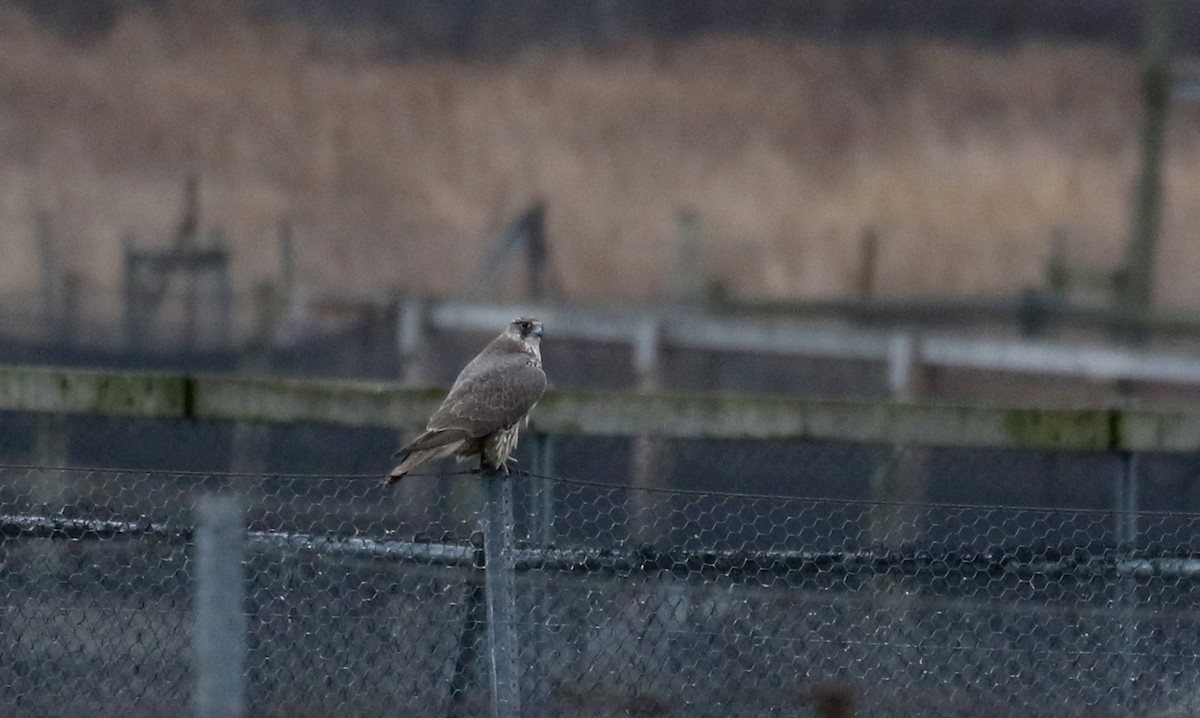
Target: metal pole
[(542, 498), (500, 580), (1127, 500), (219, 640), (1126, 591)]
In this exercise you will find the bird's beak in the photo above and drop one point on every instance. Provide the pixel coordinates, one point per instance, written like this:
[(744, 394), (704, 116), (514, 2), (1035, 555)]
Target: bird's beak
[(537, 332)]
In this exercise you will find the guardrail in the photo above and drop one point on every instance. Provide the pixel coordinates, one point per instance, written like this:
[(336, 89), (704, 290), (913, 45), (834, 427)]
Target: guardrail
[(628, 414), (905, 352)]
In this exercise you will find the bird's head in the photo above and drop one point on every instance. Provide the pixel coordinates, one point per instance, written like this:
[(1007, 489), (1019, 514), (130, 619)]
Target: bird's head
[(525, 329)]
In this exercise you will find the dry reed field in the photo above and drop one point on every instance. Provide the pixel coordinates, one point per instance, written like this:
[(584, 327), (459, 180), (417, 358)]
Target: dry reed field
[(398, 175)]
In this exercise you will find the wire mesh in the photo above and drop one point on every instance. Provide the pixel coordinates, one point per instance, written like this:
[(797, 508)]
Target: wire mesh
[(630, 601)]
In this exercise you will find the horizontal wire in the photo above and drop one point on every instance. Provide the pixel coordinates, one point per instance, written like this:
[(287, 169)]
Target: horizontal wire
[(381, 477)]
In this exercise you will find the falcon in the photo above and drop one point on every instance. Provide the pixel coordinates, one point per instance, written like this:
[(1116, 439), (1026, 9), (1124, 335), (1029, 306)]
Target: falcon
[(490, 400)]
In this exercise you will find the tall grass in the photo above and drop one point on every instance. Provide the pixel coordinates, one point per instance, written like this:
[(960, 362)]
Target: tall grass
[(398, 175)]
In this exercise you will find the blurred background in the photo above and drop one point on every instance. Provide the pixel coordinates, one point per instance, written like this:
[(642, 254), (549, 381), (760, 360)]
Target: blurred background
[(230, 184)]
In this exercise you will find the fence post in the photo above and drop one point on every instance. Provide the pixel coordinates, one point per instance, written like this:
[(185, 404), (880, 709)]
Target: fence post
[(650, 456), (904, 366), (219, 641), (500, 580), (899, 476), (410, 341), (541, 535), (688, 275), (868, 261), (542, 497), (1126, 501), (53, 279)]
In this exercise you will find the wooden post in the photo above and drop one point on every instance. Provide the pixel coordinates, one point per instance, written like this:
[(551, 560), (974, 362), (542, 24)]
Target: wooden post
[(533, 225), (69, 317), (868, 262), (53, 289), (135, 300), (222, 324), (287, 258), (1137, 287), (688, 274)]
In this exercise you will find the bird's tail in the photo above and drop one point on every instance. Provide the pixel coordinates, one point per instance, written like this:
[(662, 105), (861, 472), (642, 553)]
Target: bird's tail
[(401, 469), (411, 458)]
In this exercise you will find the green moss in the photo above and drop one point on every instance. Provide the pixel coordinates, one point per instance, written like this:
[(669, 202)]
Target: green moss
[(1061, 429)]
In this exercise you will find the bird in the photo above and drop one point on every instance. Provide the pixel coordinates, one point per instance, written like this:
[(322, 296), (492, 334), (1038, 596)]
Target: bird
[(486, 407)]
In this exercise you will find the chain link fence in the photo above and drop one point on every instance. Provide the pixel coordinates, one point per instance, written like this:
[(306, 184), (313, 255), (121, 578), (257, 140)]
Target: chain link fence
[(584, 598)]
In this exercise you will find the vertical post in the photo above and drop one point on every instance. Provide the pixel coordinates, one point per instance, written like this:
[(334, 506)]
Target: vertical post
[(688, 275), (500, 580), (903, 358), (223, 322), (410, 341), (1137, 289), (1127, 501), (287, 259), (428, 501), (536, 250), (541, 513), (69, 317), (49, 488), (900, 473), (52, 277), (135, 299), (647, 355), (649, 455), (543, 497), (220, 631), (1126, 592), (868, 262), (51, 453)]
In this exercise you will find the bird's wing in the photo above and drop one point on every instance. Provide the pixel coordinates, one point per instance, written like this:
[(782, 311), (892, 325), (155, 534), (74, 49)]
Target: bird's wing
[(490, 395)]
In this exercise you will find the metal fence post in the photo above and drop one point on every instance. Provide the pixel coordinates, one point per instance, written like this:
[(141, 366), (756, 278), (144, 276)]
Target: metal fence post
[(1125, 517), (219, 641), (542, 496), (500, 580), (541, 535), (1127, 500)]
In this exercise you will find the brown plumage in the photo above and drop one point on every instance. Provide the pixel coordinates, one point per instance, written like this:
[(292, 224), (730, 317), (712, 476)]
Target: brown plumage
[(492, 396)]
